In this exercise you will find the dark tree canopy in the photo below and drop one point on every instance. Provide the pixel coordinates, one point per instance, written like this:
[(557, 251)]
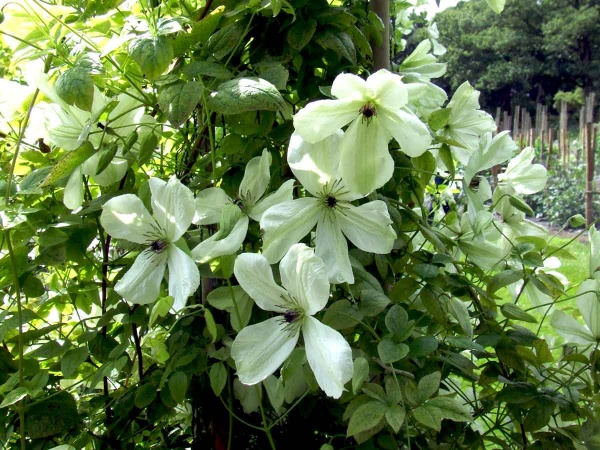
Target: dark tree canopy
[(530, 52)]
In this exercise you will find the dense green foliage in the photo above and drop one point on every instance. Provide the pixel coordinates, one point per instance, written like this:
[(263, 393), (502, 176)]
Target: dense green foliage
[(528, 54), (110, 99)]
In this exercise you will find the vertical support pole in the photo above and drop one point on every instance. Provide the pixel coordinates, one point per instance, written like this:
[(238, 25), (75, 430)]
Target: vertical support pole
[(590, 158), (381, 53)]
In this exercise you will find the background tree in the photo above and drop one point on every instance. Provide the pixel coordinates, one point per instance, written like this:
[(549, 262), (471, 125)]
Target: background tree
[(527, 55)]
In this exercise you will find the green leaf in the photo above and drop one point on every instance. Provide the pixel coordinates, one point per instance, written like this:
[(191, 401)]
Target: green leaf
[(33, 287), (145, 395), (392, 390), (179, 99), (365, 417), (147, 149), (395, 415), (435, 410), (222, 299), (199, 33), (426, 271), (71, 361), (428, 385), (178, 383), (423, 346), (438, 119), (390, 352), (224, 41), (512, 311), (69, 163), (160, 309), (372, 302), (207, 69), (106, 157), (76, 87), (520, 204), (301, 33), (210, 324), (52, 416), (14, 396), (277, 75), (246, 94), (446, 157), (396, 321), (502, 279), (339, 42), (496, 5), (341, 315), (153, 54), (218, 378), (360, 374)]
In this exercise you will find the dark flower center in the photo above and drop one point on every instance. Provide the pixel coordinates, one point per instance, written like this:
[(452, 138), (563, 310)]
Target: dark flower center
[(330, 201), (158, 246), (368, 111), (291, 315)]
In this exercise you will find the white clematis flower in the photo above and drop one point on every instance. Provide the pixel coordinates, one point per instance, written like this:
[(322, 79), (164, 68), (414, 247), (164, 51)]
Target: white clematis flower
[(466, 122), (126, 217), (258, 350), (127, 116), (213, 205), (368, 226), (376, 110)]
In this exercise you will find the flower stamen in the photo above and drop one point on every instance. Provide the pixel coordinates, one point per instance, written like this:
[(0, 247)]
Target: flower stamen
[(158, 246), (368, 111)]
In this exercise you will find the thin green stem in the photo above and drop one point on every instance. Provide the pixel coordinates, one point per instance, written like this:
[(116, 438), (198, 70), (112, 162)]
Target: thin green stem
[(17, 288), (266, 428), (235, 305)]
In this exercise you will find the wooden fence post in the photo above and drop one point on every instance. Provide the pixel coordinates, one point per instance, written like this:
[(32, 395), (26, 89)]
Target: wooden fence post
[(589, 151)]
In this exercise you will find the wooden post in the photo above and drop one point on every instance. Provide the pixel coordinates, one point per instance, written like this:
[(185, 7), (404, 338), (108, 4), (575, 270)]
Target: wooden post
[(381, 53), (589, 151), (563, 130), (582, 138), (550, 142)]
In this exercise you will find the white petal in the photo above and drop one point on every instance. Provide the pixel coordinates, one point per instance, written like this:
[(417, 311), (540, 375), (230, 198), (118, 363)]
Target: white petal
[(304, 275), (571, 330), (113, 173), (184, 277), (331, 246), (258, 350), (126, 217), (283, 194), (408, 130), (323, 118), (285, 224), (329, 356), (141, 283), (589, 305), (173, 206), (389, 90), (215, 246), (255, 275), (316, 165), (209, 206), (73, 195), (365, 162), (368, 226), (491, 152), (256, 178), (349, 86)]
